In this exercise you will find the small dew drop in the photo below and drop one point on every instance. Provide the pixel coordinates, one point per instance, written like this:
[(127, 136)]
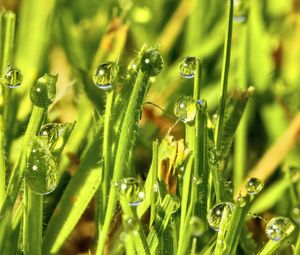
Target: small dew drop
[(240, 11), (129, 223), (254, 186), (278, 228), (214, 215), (187, 67), (151, 62), (296, 214), (241, 201), (185, 109), (197, 226), (132, 189), (105, 75), (13, 77)]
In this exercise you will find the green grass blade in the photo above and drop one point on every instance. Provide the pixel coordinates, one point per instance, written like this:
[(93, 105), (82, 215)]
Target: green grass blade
[(75, 199)]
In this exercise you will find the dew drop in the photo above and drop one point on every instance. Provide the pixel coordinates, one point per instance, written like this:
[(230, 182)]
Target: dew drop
[(176, 203), (240, 11), (185, 109), (151, 62), (13, 77), (254, 186), (197, 226), (197, 180), (187, 67), (214, 215), (105, 75), (241, 201), (43, 92), (132, 189), (41, 174), (296, 214), (129, 223), (278, 228)]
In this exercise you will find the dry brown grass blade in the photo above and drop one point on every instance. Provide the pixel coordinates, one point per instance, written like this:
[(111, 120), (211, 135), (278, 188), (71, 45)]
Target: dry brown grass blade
[(274, 155)]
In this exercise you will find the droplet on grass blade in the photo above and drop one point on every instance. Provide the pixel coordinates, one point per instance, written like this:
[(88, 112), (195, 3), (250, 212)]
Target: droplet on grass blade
[(129, 223), (13, 77), (240, 11), (278, 228), (197, 226), (214, 215), (151, 62), (105, 75), (43, 92), (296, 214), (187, 67), (41, 174), (132, 189), (185, 109), (254, 186)]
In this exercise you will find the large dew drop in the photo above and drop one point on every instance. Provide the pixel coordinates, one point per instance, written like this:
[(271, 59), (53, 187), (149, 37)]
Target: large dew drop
[(132, 189), (278, 228), (185, 109), (13, 77), (41, 174), (254, 186), (105, 75), (43, 92), (214, 215), (151, 62), (187, 67)]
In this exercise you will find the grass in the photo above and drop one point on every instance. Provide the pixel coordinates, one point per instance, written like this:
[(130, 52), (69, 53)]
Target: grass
[(87, 170)]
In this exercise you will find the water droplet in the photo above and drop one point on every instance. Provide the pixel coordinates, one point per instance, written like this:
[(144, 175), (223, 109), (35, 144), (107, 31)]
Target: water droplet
[(129, 223), (214, 215), (187, 67), (278, 228), (254, 186), (133, 66), (176, 203), (105, 75), (241, 201), (240, 11), (41, 174), (43, 92), (296, 214), (13, 77), (132, 189), (151, 62), (185, 109), (197, 226), (197, 180)]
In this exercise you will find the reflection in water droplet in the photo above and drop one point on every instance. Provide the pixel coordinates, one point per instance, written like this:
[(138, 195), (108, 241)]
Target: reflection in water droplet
[(13, 77), (214, 215), (105, 75), (41, 174), (278, 228), (187, 67), (151, 62), (254, 186), (132, 189), (185, 109)]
